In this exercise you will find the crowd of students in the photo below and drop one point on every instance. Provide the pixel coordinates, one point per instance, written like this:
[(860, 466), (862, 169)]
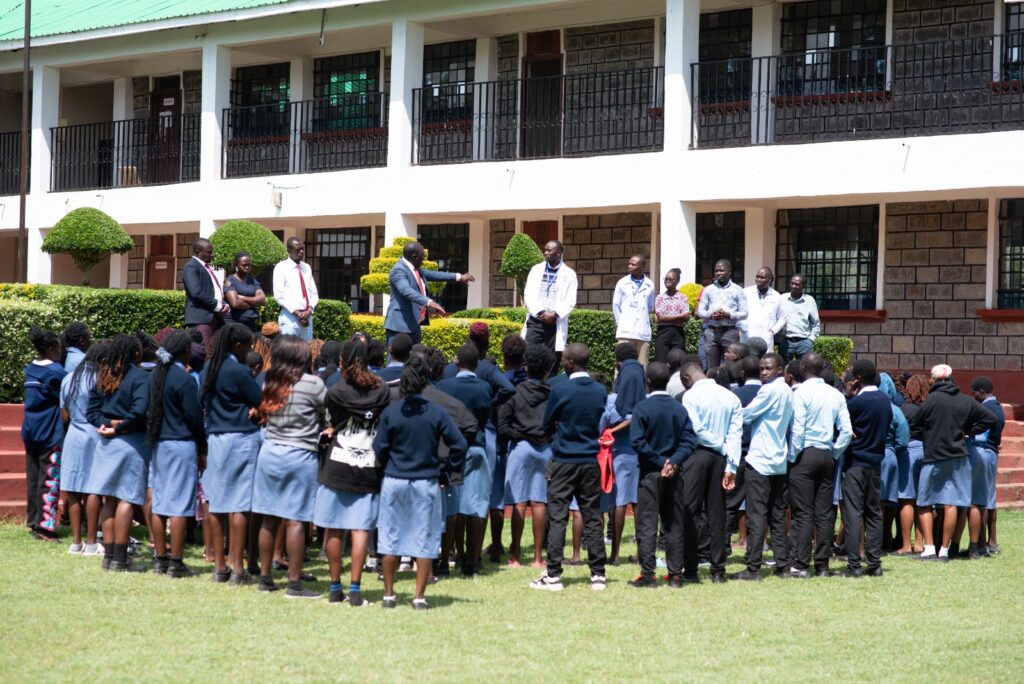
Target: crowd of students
[(267, 438)]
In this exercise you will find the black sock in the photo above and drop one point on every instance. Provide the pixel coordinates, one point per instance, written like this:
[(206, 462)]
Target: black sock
[(108, 552), (120, 553)]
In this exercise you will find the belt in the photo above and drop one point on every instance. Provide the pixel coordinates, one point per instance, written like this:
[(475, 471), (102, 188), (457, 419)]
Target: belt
[(797, 338)]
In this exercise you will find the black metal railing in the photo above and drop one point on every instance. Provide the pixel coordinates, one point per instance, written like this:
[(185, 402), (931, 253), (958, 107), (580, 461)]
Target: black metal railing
[(330, 134), (10, 163), (613, 112), (113, 154), (957, 86)]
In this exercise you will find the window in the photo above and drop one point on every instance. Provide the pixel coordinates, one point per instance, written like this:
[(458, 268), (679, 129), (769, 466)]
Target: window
[(448, 67), (259, 98), (725, 65), (720, 236), (1010, 292), (833, 46), (347, 90), (338, 257), (448, 245), (1013, 42), (836, 249), (542, 232)]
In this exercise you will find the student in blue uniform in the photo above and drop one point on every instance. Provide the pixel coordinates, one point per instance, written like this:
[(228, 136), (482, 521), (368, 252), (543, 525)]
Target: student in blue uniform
[(398, 355), (984, 456), (896, 443), (75, 342), (175, 433), (284, 484), (348, 495), (513, 358), (117, 408), (230, 396), (629, 390), (915, 391), (42, 432), (735, 506), (409, 523)]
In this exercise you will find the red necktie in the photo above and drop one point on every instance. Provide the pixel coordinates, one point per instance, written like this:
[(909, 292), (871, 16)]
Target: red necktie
[(423, 291), (213, 276), (302, 284)]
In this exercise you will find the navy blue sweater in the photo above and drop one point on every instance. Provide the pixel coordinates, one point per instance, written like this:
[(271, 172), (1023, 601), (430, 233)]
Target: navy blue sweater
[(183, 416), (995, 435), (502, 388), (573, 416), (407, 439), (660, 431), (870, 416), (391, 374), (42, 427), (128, 403), (475, 394), (227, 403), (746, 393)]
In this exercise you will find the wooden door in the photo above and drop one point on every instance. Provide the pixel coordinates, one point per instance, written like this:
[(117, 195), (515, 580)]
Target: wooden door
[(160, 263), (541, 114), (542, 232), (164, 152)]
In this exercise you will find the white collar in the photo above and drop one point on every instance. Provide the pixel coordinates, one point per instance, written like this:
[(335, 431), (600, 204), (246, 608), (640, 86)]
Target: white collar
[(579, 374), (657, 393), (42, 362), (867, 388), (204, 264), (753, 381), (408, 264)]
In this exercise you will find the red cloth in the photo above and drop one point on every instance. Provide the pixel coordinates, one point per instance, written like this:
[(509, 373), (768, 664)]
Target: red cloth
[(604, 461), (302, 285)]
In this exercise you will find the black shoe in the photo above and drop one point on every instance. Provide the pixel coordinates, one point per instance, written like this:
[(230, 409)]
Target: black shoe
[(675, 581), (469, 571), (178, 570), (160, 564), (874, 572), (241, 579), (105, 564), (644, 582), (306, 577), (336, 596), (781, 573), (389, 602), (852, 573), (973, 554), (421, 604), (800, 574), (930, 558), (266, 583), (745, 575), (221, 576), (718, 578), (822, 572), (297, 591), (355, 599), (126, 566), (943, 559), (278, 565), (954, 550), (690, 579)]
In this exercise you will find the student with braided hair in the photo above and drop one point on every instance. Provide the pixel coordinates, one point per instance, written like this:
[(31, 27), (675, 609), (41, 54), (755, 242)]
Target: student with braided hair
[(176, 435), (42, 433), (75, 342)]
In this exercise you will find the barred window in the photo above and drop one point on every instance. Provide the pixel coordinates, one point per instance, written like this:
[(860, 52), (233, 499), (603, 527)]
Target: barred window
[(1013, 42), (448, 245), (347, 91), (1010, 292), (725, 56), (720, 235), (259, 100), (449, 63), (338, 257), (835, 248)]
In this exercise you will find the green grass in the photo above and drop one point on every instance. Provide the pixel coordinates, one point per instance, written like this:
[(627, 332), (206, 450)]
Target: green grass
[(62, 618)]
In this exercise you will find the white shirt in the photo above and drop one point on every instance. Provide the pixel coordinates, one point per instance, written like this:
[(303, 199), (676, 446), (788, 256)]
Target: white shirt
[(560, 298), (764, 314), (717, 418), (819, 410), (218, 282), (287, 288), (632, 304)]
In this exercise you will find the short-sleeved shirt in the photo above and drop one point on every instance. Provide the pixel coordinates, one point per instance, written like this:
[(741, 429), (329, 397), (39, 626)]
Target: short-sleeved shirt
[(671, 305), (245, 288)]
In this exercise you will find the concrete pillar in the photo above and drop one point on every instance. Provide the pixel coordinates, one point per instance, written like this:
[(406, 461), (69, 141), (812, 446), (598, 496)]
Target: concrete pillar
[(124, 171), (38, 260), (397, 224), (678, 244), (682, 31), (406, 74), (215, 99), (477, 294), (300, 88), (764, 42), (758, 242), (206, 227), (123, 99), (484, 97), (45, 115), (119, 271)]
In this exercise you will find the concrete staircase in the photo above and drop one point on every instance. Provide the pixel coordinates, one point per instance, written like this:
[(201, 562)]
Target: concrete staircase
[(1010, 478)]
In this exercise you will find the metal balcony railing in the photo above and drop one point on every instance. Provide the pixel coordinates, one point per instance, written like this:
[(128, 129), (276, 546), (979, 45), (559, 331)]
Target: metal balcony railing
[(10, 162)]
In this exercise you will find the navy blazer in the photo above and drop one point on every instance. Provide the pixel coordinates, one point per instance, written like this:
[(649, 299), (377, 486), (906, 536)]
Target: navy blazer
[(200, 298), (406, 299)]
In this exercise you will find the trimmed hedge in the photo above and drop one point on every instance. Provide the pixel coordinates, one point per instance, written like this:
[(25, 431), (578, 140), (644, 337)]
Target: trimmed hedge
[(835, 350), (246, 236), (15, 350), (447, 334), (89, 236)]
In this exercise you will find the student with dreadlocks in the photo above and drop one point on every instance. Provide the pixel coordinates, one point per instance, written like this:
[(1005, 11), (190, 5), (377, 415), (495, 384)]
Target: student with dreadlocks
[(117, 408), (410, 500), (80, 440), (74, 342), (230, 396), (175, 433)]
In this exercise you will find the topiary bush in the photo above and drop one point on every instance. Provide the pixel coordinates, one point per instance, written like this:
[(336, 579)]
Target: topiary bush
[(376, 281), (246, 236), (835, 350), (89, 236), (520, 255), (692, 292), (447, 334), (15, 350)]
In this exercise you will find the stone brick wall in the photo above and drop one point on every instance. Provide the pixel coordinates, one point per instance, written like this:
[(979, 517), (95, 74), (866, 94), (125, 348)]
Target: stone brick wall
[(609, 47), (137, 263), (502, 288), (598, 247), (924, 21)]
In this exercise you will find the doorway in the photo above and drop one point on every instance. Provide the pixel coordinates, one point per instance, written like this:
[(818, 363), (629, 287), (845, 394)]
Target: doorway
[(541, 116), (164, 153), (160, 263)]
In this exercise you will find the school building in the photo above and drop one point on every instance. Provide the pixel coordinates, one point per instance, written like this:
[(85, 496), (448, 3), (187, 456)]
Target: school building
[(874, 145)]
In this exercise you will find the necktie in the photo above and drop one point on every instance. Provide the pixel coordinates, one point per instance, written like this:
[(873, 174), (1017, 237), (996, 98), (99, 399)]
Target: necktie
[(216, 283), (302, 285), (423, 291)]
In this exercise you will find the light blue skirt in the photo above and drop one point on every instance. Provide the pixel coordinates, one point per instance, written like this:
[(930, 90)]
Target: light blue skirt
[(410, 518), (285, 482), (909, 465), (119, 468), (337, 509), (837, 481), (173, 474), (984, 463), (889, 482), (473, 495), (499, 463), (230, 469), (626, 467), (945, 483), (524, 474), (76, 457)]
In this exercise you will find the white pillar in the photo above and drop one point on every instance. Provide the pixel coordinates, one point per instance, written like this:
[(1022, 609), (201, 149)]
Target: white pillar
[(479, 263), (758, 242), (991, 255), (484, 97), (215, 99), (406, 74), (119, 271), (38, 260), (123, 99), (300, 87), (397, 224), (764, 42), (124, 172), (682, 31), (45, 115), (678, 246)]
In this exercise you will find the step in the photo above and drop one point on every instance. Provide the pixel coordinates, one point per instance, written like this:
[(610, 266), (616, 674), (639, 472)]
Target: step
[(10, 438), (11, 414), (12, 486), (12, 461), (1010, 495), (13, 508), (1010, 476), (1013, 428), (1010, 460)]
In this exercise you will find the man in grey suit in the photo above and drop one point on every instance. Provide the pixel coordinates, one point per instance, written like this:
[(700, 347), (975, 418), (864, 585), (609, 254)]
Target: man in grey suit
[(410, 304)]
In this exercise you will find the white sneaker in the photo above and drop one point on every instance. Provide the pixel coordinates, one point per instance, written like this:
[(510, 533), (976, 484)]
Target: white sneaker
[(598, 582), (405, 567), (546, 581), (93, 550), (76, 549)]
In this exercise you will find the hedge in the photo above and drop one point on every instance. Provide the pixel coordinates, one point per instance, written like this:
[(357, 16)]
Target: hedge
[(447, 334), (15, 350)]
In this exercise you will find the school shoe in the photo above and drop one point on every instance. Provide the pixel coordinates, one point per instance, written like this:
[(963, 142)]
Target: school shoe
[(221, 576), (675, 581), (993, 549), (297, 591), (93, 550), (798, 574), (405, 566), (241, 579), (852, 573), (76, 549), (336, 596), (178, 570), (547, 582), (421, 604), (356, 600), (266, 583), (644, 582), (930, 558), (874, 572), (160, 564), (822, 572), (389, 602), (126, 566), (306, 577), (441, 569), (747, 575), (105, 564), (598, 582), (718, 579)]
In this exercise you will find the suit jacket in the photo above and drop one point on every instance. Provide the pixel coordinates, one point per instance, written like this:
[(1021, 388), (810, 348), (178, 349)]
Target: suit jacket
[(406, 299), (200, 298)]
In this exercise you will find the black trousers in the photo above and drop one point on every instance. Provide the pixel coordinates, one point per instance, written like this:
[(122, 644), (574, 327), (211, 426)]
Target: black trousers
[(733, 501), (658, 497), (538, 332), (861, 506), (37, 462), (582, 480), (667, 338), (716, 341), (766, 506), (702, 490), (810, 498)]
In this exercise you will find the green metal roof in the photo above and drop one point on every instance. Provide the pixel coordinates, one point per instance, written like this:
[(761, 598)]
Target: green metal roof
[(61, 17)]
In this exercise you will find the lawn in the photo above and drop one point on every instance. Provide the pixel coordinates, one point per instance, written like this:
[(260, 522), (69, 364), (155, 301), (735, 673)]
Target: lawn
[(65, 619)]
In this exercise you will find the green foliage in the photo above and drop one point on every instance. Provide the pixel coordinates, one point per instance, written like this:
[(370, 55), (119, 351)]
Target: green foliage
[(835, 350), (246, 236), (498, 313), (447, 334), (692, 292), (376, 281), (15, 350), (89, 236), (331, 320), (520, 255)]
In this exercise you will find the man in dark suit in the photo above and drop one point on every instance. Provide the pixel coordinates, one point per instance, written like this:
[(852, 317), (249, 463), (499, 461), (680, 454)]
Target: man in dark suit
[(204, 291), (410, 304)]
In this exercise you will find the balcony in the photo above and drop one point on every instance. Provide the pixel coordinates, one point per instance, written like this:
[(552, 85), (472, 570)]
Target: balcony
[(10, 162), (961, 86), (573, 115), (113, 154), (331, 134)]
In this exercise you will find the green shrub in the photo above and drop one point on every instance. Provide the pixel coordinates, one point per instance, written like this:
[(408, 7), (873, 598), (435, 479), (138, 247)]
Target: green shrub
[(520, 255), (447, 334), (499, 313), (692, 292), (835, 350), (246, 236), (331, 320), (15, 350), (376, 281), (89, 236)]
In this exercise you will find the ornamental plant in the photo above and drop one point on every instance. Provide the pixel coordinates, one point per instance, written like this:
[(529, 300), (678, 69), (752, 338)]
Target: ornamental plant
[(376, 281), (246, 236), (89, 236), (520, 255)]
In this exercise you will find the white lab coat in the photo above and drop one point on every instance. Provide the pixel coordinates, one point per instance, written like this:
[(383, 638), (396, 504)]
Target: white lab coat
[(562, 301)]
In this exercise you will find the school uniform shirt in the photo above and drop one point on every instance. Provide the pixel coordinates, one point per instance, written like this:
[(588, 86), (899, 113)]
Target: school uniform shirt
[(288, 286), (299, 422), (764, 314), (661, 431), (228, 401), (801, 317), (556, 292), (128, 403), (573, 416), (717, 419), (183, 415), (632, 303), (821, 419), (769, 415), (746, 393), (729, 297), (994, 436), (943, 420), (675, 387), (407, 439), (73, 357), (870, 417), (474, 393), (392, 372), (501, 388), (42, 427)]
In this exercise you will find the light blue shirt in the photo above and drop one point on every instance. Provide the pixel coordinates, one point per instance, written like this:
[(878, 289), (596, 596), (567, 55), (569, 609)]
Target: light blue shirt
[(819, 410), (729, 297), (801, 316), (769, 415), (717, 417), (465, 374), (75, 356), (632, 305)]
